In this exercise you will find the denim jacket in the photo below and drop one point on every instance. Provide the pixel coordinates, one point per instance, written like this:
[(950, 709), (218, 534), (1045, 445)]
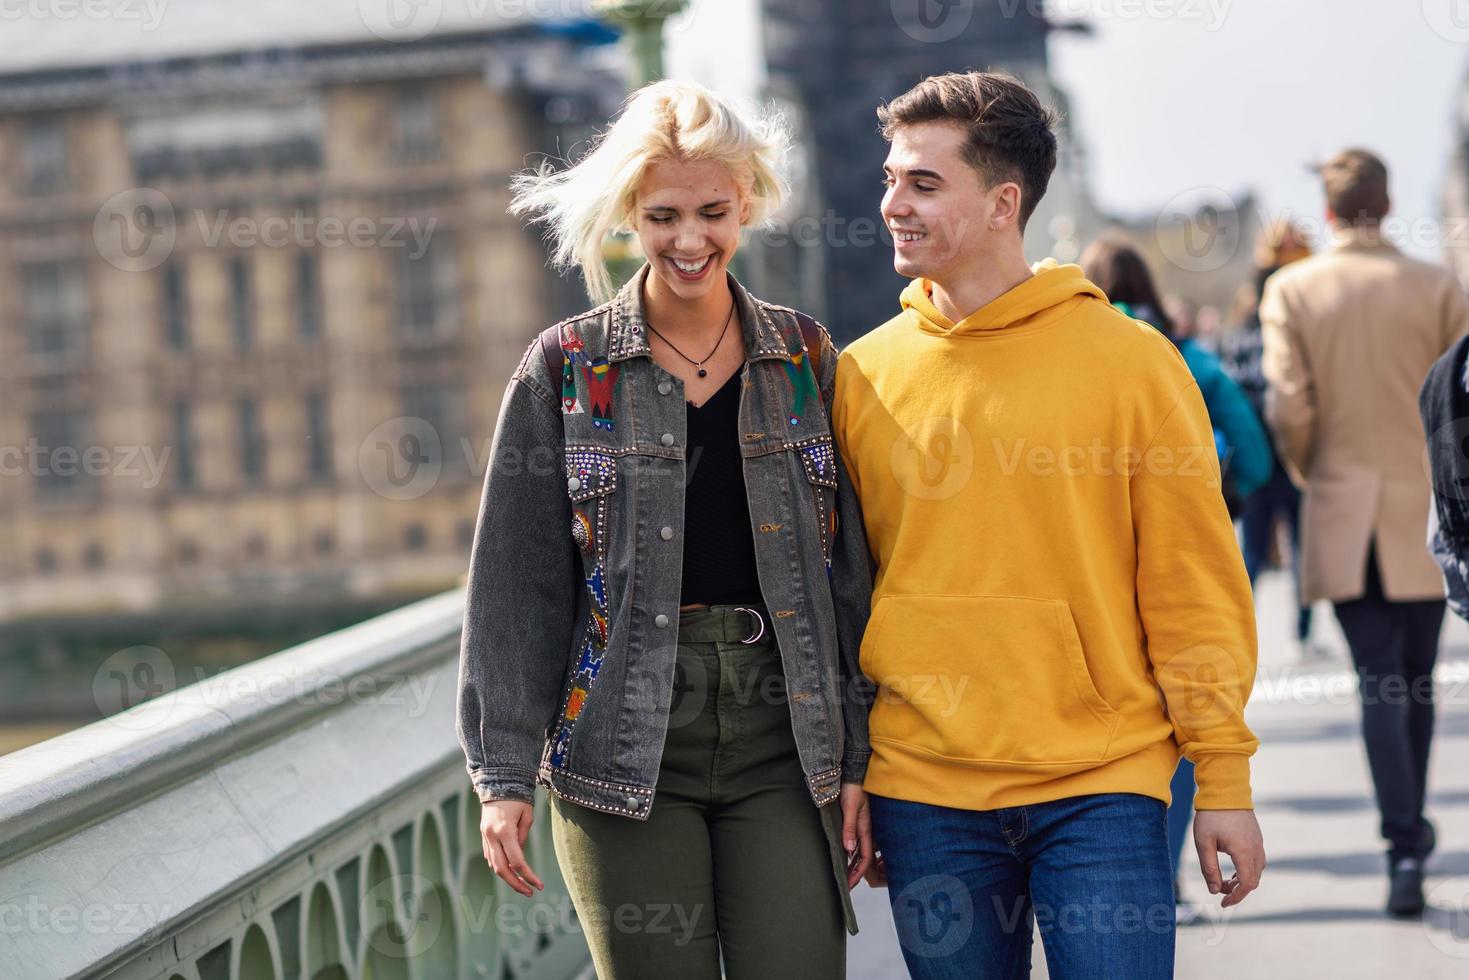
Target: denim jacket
[(571, 612)]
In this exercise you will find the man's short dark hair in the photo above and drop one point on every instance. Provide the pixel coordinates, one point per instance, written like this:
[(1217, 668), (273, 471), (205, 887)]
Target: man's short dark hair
[(1009, 133), (1355, 182)]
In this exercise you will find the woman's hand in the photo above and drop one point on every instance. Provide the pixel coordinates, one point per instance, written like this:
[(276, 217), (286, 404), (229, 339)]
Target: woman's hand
[(856, 832), (504, 826)]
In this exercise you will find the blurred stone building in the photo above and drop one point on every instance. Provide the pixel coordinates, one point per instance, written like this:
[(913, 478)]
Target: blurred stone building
[(259, 299)]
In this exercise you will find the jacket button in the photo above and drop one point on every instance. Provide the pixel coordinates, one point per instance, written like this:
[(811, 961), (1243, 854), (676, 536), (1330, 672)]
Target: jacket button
[(634, 803), (667, 439), (664, 387), (666, 534), (573, 484), (660, 621)]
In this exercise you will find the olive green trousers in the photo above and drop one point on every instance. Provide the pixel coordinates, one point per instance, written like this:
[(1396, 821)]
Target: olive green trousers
[(734, 860)]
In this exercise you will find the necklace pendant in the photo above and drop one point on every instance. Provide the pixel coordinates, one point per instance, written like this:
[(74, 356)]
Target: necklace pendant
[(703, 373)]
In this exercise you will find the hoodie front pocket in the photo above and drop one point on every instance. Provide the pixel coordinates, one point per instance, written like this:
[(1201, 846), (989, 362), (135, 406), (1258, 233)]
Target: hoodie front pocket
[(999, 679)]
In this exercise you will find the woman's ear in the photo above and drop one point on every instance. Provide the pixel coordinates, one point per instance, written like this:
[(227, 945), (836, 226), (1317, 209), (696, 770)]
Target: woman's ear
[(745, 209)]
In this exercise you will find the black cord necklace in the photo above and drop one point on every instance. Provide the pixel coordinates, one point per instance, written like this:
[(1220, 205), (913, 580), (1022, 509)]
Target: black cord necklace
[(699, 364)]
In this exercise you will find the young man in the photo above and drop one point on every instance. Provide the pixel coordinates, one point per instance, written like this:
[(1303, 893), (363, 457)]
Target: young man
[(1349, 336), (1059, 604)]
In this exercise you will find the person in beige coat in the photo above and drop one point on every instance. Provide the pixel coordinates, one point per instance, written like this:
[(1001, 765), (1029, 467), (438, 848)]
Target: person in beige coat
[(1349, 336)]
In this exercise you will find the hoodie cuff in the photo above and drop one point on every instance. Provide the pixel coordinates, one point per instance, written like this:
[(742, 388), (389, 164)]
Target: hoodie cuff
[(1224, 782)]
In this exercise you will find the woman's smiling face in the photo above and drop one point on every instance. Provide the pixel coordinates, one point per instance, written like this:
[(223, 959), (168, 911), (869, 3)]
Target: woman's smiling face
[(688, 218)]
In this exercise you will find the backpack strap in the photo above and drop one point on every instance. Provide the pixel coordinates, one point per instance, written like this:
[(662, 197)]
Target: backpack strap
[(811, 336)]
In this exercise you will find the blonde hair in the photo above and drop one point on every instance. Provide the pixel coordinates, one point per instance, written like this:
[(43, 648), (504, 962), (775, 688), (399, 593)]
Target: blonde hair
[(666, 120)]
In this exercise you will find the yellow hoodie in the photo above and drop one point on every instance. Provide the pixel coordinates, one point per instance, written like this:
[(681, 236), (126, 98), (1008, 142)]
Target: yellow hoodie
[(1059, 604)]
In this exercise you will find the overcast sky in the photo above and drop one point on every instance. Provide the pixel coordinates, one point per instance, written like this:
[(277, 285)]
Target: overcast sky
[(1171, 95)]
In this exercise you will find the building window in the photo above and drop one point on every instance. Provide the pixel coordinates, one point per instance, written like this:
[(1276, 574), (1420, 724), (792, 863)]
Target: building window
[(61, 441), (188, 551), (241, 310), (92, 556), (415, 537), (442, 407), (46, 157), (184, 475), (466, 533), (318, 438), (175, 306), (322, 542), (252, 443), (254, 544), (45, 561), (308, 296), (55, 308), (416, 125), (428, 288)]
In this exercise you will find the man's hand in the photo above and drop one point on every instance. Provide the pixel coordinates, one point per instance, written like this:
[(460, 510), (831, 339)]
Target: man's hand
[(1236, 833), (856, 832), (503, 827)]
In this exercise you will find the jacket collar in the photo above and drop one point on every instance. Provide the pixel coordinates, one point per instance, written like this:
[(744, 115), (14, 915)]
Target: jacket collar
[(628, 336), (1358, 238)]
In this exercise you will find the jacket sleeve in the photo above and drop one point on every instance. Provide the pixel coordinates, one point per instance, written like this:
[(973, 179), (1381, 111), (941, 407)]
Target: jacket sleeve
[(1290, 399), (1195, 603), (1251, 460), (520, 598), (851, 576)]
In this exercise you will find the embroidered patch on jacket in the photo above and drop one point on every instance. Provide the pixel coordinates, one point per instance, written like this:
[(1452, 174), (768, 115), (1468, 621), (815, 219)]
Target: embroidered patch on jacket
[(596, 476), (572, 348), (803, 384), (601, 378)]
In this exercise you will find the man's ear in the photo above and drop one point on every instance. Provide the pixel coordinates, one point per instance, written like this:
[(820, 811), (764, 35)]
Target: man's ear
[(1006, 209)]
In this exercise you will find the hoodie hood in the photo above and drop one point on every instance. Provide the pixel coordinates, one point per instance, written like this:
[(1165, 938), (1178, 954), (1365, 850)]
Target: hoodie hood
[(1050, 293)]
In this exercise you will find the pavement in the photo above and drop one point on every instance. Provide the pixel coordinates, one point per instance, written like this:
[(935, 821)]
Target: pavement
[(1318, 911)]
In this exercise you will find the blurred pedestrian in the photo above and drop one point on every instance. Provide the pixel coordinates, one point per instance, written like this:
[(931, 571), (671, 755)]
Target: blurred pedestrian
[(1241, 349), (1349, 336)]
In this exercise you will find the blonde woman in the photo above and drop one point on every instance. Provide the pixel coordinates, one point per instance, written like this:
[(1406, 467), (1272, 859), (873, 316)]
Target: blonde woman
[(669, 579)]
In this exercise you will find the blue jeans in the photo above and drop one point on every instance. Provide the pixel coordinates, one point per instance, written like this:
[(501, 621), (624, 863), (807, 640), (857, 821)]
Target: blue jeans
[(1183, 789), (968, 886)]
